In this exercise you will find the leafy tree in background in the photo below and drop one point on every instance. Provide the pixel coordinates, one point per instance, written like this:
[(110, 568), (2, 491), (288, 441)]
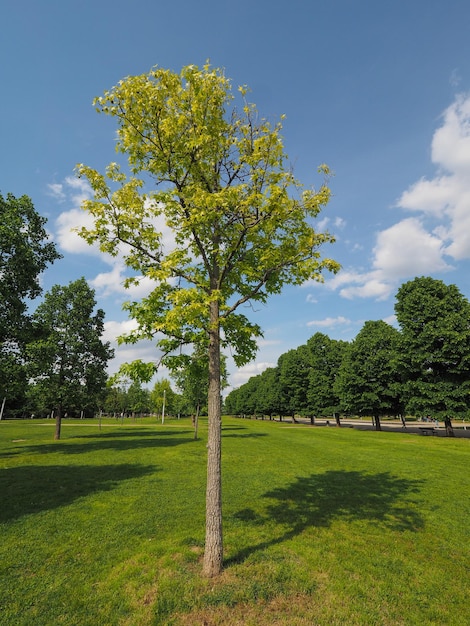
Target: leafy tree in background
[(293, 369), (434, 319), (234, 404), (367, 382), (116, 396), (269, 392), (67, 359), (162, 395), (191, 374), (138, 399), (25, 252), (242, 226), (192, 379), (325, 358)]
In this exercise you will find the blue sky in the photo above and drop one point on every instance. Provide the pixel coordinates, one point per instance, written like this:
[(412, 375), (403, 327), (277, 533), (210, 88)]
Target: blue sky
[(378, 90)]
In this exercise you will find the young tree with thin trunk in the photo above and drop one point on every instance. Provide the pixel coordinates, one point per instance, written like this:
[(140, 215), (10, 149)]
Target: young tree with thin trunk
[(242, 226)]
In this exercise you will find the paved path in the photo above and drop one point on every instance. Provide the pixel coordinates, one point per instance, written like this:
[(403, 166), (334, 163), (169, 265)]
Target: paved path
[(393, 426)]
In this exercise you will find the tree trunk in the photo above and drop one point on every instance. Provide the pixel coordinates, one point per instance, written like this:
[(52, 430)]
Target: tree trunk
[(213, 552), (449, 428), (196, 420), (377, 423), (337, 419), (58, 422), (3, 406)]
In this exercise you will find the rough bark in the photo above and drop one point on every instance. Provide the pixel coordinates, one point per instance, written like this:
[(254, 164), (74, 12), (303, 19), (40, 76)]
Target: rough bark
[(196, 420), (213, 552), (58, 423)]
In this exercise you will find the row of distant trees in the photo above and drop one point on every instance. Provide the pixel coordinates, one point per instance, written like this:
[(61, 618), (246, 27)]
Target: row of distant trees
[(131, 399), (421, 368)]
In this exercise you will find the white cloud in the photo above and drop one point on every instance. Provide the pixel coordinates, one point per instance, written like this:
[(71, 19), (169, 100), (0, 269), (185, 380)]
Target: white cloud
[(112, 282), (440, 228), (401, 252), (455, 78), (451, 142), (68, 239), (391, 319), (434, 197), (75, 191), (322, 224), (330, 322), (406, 249), (325, 224), (56, 190), (371, 285), (113, 329), (243, 374), (125, 353), (447, 195)]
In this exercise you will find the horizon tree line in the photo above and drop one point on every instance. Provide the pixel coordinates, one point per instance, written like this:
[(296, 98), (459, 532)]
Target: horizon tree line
[(421, 368)]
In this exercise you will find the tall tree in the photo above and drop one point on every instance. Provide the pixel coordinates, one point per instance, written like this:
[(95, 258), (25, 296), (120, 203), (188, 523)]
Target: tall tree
[(293, 369), (242, 225), (435, 357), (325, 358), (368, 383), (68, 359), (269, 393), (25, 252)]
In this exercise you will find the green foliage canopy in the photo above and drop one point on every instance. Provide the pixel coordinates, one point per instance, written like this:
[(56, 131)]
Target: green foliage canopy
[(434, 319), (25, 252), (367, 382), (241, 222), (67, 359)]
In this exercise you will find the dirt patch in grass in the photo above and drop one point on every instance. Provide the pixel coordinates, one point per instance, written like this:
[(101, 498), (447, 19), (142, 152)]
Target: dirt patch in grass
[(280, 611)]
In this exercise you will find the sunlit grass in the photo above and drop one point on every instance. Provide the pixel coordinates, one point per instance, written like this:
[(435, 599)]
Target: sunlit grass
[(322, 526)]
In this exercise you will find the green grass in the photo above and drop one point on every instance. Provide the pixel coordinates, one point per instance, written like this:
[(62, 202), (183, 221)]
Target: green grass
[(322, 526)]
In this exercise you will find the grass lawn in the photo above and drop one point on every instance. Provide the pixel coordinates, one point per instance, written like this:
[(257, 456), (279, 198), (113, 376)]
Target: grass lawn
[(323, 526)]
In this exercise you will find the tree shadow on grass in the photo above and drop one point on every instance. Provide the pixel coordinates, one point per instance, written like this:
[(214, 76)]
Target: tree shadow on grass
[(244, 435), (93, 443), (30, 489), (320, 499), (129, 433)]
